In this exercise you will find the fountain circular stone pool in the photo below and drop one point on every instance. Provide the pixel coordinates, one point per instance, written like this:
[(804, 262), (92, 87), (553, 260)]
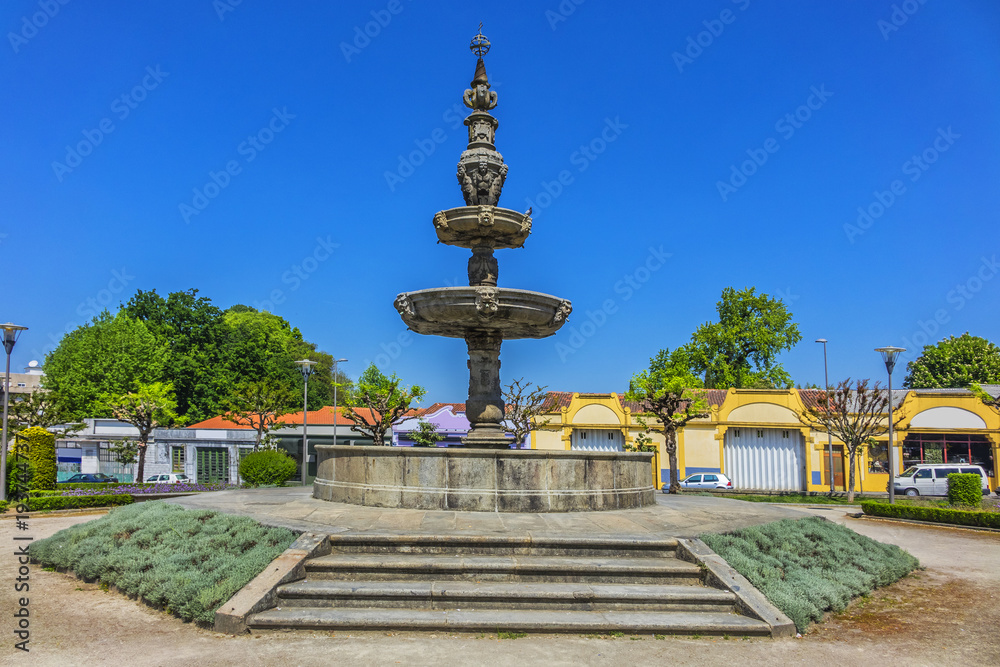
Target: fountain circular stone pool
[(484, 480)]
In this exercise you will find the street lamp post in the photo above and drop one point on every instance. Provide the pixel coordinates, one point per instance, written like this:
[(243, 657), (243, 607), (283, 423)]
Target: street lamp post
[(889, 355), (10, 334), (336, 408), (306, 366), (829, 434)]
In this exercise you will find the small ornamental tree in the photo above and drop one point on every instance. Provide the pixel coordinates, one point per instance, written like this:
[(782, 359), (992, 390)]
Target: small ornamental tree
[(147, 408), (855, 415), (42, 408), (260, 405), (668, 391), (386, 399), (426, 435), (524, 404)]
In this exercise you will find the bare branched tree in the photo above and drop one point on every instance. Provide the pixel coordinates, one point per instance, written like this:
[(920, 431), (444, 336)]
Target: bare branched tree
[(855, 415), (260, 405), (524, 404)]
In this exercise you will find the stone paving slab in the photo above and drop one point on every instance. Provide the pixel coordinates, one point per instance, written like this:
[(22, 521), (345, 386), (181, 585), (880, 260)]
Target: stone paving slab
[(672, 516)]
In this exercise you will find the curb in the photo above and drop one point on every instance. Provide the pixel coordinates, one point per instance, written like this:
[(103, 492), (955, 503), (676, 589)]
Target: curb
[(925, 524), (259, 594), (749, 601)]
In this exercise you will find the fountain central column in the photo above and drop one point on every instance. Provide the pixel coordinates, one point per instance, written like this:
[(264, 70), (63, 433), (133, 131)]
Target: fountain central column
[(485, 407)]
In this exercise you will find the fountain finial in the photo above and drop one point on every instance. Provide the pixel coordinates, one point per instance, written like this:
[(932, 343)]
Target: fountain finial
[(480, 97)]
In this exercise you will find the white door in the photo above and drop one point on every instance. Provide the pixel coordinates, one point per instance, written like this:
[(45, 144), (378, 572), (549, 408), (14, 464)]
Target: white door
[(765, 459), (596, 440)]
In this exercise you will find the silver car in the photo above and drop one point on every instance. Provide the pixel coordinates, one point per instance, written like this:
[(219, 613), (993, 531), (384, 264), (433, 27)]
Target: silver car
[(706, 480)]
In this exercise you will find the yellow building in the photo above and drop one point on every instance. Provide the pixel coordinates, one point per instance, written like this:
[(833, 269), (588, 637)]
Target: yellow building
[(755, 436)]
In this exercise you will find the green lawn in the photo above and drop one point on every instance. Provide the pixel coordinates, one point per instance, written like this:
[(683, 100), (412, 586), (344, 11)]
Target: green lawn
[(806, 567), (189, 561)]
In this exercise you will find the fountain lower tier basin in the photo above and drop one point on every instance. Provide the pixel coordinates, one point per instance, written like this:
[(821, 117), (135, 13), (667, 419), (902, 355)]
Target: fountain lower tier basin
[(484, 480), (460, 311), (482, 227)]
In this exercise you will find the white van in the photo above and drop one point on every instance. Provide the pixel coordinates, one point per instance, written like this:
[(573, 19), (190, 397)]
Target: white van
[(931, 479)]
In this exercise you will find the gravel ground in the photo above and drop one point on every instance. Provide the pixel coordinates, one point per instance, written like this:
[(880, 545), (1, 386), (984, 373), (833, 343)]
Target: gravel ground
[(947, 614)]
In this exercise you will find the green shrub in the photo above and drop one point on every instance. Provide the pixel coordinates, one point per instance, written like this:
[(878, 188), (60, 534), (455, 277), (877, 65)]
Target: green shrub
[(20, 472), (267, 467), (39, 446), (189, 561), (936, 514), (3, 506), (965, 489), (808, 566), (77, 502)]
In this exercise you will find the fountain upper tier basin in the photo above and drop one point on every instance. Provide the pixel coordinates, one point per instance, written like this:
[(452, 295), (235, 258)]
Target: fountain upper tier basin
[(482, 226), (459, 311)]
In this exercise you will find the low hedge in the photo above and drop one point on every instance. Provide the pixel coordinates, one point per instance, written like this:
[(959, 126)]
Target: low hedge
[(965, 489), (76, 502), (934, 514), (99, 485)]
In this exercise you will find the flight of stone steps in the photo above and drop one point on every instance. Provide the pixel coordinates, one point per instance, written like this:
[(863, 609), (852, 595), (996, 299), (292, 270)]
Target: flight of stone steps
[(505, 583)]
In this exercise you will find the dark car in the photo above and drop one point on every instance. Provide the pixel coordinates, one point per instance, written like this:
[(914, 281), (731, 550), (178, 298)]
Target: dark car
[(90, 478)]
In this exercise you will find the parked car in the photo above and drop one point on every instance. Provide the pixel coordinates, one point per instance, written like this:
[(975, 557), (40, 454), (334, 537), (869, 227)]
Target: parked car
[(706, 480), (931, 479), (171, 478), (90, 478)]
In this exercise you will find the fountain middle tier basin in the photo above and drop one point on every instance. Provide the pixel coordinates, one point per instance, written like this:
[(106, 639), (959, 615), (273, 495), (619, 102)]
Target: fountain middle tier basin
[(457, 312), (482, 227)]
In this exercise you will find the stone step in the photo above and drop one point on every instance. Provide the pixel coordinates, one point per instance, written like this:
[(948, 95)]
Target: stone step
[(523, 545), (422, 567), (470, 595), (520, 620)]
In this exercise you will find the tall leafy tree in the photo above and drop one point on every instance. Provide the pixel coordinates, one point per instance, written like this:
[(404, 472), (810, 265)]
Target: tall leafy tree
[(112, 355), (148, 407), (853, 414), (668, 392), (955, 362), (386, 399), (191, 329), (741, 349), (524, 404)]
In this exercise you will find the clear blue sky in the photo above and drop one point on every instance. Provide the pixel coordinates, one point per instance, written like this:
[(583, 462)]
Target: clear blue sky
[(199, 80)]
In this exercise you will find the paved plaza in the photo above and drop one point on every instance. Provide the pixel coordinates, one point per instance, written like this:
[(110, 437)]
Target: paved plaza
[(672, 516)]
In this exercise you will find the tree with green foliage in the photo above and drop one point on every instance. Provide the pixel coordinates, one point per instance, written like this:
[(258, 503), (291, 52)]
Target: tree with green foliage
[(524, 404), (149, 407), (125, 452), (191, 329), (954, 363), (260, 405), (741, 349), (110, 356), (853, 414), (668, 391), (426, 434), (386, 400)]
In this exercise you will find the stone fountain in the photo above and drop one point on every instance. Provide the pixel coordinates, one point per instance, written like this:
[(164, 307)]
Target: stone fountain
[(485, 474)]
